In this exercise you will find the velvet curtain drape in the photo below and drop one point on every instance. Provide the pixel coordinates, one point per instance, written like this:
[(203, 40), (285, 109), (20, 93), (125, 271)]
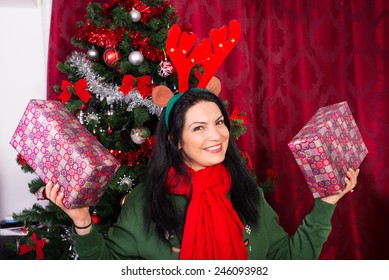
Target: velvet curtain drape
[(295, 56)]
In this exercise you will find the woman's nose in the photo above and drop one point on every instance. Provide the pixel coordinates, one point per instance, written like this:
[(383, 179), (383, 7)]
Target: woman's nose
[(213, 133)]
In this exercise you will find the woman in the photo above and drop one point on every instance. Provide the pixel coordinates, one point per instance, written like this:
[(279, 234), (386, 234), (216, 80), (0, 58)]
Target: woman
[(200, 200)]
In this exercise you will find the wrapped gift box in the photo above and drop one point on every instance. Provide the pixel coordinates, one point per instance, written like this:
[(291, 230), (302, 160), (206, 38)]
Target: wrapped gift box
[(326, 147), (59, 148)]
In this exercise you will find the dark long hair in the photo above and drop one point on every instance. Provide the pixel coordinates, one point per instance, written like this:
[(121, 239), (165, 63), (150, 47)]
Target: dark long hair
[(159, 209)]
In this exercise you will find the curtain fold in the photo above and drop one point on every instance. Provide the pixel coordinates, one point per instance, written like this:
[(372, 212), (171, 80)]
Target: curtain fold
[(295, 56)]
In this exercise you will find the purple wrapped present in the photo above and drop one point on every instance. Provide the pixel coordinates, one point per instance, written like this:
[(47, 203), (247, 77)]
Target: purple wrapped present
[(58, 148), (326, 147)]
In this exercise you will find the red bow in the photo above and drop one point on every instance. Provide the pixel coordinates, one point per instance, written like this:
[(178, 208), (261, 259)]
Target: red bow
[(235, 115), (37, 245), (21, 160), (79, 87), (248, 158), (143, 85)]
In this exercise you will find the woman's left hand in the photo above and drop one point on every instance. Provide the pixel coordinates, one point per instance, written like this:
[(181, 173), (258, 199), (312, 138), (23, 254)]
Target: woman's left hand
[(351, 182)]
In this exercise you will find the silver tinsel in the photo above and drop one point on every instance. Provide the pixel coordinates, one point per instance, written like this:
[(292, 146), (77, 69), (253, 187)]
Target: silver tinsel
[(109, 92)]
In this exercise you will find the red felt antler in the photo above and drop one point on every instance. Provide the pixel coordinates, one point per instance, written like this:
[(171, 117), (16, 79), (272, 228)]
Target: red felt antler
[(179, 47)]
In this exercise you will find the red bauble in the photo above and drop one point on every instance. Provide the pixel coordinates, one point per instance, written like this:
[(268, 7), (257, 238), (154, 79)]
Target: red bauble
[(111, 57), (95, 218)]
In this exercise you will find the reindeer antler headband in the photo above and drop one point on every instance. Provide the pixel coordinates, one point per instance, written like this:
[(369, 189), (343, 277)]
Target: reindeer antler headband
[(184, 56)]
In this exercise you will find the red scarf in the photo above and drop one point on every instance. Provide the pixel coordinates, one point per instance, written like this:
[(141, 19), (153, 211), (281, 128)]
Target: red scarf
[(213, 229)]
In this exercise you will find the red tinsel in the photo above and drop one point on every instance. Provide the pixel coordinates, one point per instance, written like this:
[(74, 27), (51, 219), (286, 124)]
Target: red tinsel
[(144, 46), (133, 158), (147, 12), (37, 245), (100, 36)]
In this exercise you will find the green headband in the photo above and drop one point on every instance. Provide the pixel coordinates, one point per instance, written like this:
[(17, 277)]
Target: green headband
[(169, 107)]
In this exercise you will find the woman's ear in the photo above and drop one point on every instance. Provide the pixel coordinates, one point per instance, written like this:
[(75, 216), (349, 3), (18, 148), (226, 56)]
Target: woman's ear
[(170, 139)]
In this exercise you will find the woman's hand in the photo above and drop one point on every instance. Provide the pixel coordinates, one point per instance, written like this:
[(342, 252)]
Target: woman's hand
[(81, 216), (351, 182)]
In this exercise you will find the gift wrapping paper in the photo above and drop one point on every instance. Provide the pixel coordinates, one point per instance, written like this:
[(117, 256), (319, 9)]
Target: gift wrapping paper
[(326, 147), (59, 148)]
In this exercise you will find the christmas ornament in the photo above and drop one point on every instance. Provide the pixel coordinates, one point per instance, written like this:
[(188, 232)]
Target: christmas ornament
[(136, 58), (111, 57), (95, 218), (92, 118), (93, 53), (139, 134), (135, 15), (127, 180), (80, 115), (165, 68)]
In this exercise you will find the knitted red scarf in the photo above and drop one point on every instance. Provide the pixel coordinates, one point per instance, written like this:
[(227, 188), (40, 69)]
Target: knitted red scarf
[(213, 229)]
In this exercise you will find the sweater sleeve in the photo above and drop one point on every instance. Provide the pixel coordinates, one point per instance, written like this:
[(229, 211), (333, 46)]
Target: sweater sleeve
[(120, 243), (309, 238)]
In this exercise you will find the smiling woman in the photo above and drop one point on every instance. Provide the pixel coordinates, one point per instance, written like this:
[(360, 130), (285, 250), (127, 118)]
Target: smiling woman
[(200, 200), (205, 136)]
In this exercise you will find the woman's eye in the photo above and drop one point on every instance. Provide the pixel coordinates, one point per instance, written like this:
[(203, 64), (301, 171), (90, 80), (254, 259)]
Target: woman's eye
[(198, 128), (220, 122)]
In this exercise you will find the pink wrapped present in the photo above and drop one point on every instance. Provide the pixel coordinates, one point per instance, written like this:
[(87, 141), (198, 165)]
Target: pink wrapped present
[(58, 148), (326, 147)]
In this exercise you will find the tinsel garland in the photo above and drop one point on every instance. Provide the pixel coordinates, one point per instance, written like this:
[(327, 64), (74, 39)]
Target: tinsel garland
[(109, 92), (144, 46), (134, 158), (100, 36)]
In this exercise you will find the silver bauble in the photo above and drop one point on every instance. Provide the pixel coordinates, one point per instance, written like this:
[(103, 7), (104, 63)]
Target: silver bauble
[(93, 53), (135, 15), (136, 58)]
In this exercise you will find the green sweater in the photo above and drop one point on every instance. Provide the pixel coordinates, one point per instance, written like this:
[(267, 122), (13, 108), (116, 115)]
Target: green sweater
[(127, 239)]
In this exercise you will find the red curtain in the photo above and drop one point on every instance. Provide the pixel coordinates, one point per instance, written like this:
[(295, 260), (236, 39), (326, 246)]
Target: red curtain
[(295, 56)]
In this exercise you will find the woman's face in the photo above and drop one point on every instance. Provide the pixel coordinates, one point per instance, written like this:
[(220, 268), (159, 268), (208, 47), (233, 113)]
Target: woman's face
[(204, 136)]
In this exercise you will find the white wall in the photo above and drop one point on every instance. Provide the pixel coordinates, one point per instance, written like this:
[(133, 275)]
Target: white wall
[(24, 35)]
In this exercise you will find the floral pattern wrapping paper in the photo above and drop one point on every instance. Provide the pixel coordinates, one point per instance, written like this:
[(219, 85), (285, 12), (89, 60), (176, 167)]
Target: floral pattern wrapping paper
[(59, 148), (326, 147)]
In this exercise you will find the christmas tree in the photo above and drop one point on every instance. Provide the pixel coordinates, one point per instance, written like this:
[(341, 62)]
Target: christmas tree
[(121, 58)]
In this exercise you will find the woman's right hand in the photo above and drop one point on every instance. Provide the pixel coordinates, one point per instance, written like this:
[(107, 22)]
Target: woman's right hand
[(81, 216)]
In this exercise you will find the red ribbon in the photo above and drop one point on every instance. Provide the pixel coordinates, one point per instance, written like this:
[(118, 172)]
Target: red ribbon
[(37, 245), (79, 87), (143, 84)]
